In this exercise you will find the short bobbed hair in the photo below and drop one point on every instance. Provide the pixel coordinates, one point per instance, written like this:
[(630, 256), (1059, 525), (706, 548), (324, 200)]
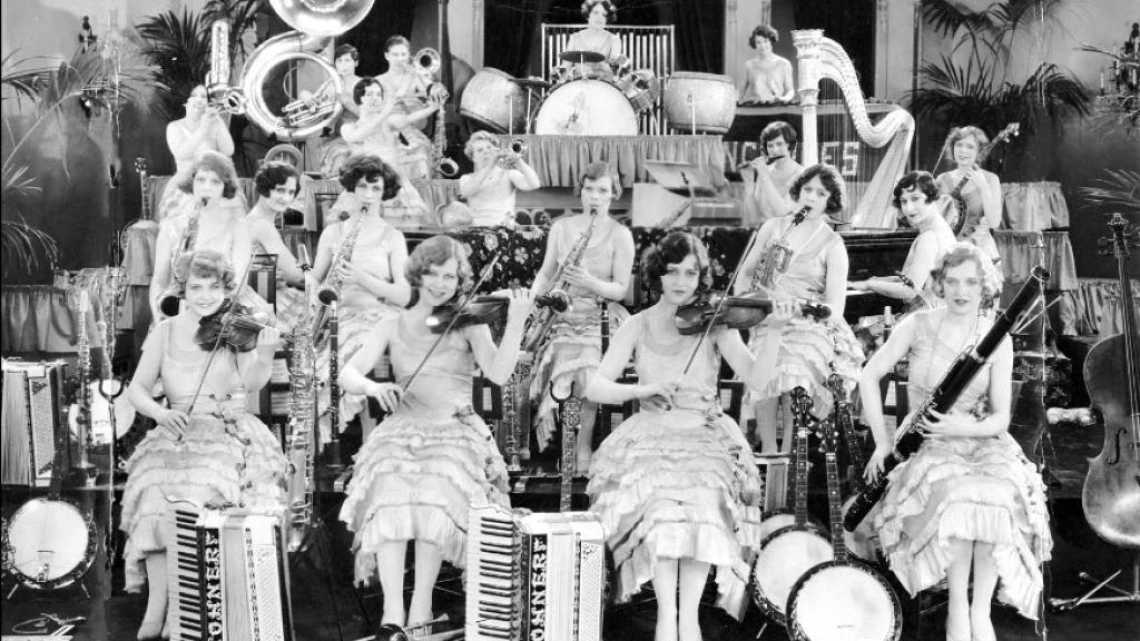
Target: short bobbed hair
[(671, 250), (362, 86), (217, 163), (344, 49), (832, 182), (763, 31), (777, 129), (469, 147), (960, 254), (923, 181), (437, 250), (370, 168), (598, 170), (393, 41), (204, 263), (610, 7), (274, 174), (958, 133)]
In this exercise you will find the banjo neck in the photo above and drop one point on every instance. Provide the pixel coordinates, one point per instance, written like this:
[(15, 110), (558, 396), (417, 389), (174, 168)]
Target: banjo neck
[(800, 408), (834, 501)]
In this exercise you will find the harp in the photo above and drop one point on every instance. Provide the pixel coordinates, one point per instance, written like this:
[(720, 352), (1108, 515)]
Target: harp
[(820, 59)]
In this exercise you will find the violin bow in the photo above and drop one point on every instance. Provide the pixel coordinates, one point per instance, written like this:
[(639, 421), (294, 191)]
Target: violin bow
[(483, 276)]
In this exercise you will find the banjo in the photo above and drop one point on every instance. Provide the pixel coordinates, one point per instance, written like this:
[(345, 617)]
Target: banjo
[(863, 542), (792, 550), (842, 598)]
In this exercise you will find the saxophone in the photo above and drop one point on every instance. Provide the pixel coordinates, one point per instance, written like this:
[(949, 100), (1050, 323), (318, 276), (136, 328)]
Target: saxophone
[(555, 297), (334, 281), (301, 449)]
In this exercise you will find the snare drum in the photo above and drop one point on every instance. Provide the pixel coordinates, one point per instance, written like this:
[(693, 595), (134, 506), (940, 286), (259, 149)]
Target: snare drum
[(702, 102), (586, 108), (495, 102)]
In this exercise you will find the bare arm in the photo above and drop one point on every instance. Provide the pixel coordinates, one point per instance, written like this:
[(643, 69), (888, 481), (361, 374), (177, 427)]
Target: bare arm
[(881, 363), (497, 363), (961, 425), (549, 261), (325, 250), (524, 177), (992, 199), (787, 81), (256, 365), (751, 261), (835, 292), (270, 239), (146, 375), (352, 377), (603, 387)]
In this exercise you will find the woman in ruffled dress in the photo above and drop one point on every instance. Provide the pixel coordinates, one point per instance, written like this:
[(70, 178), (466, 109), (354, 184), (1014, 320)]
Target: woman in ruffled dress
[(432, 457), (217, 454), (675, 485), (969, 497), (800, 256)]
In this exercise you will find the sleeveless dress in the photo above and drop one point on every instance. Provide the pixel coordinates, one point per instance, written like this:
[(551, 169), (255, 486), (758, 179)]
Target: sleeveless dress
[(290, 300), (173, 200), (767, 85), (678, 482), (982, 236), (427, 463), (227, 454), (943, 237), (810, 350), (977, 489), (574, 349)]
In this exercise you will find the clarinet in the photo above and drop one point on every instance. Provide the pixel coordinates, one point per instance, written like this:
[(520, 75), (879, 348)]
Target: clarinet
[(945, 394), (329, 297)]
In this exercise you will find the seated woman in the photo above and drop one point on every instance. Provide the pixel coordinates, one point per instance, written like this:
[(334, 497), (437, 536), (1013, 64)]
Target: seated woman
[(968, 497), (334, 150), (595, 37), (979, 190), (490, 191), (916, 196), (675, 485), (772, 174), (767, 77), (419, 473), (277, 186), (218, 453), (201, 130)]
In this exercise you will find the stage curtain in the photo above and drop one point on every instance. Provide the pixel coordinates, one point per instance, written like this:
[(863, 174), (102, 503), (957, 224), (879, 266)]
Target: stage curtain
[(1034, 206), (700, 34), (512, 30), (1020, 254), (1099, 306)]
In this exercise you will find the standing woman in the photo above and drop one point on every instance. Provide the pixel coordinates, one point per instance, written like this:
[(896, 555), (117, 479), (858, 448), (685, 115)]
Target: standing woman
[(432, 458), (374, 286), (675, 485), (211, 218), (201, 130), (981, 191), (219, 453), (968, 497), (600, 277), (799, 256)]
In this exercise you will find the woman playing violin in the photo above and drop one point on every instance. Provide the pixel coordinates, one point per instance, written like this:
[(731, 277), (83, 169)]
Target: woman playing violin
[(801, 257), (432, 457), (215, 453), (969, 497), (675, 485)]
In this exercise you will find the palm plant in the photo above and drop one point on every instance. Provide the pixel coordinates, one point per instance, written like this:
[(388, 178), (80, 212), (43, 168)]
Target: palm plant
[(179, 47), (1118, 191)]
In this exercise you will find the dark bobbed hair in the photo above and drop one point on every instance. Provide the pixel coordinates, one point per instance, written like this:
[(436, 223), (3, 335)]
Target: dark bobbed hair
[(370, 168), (960, 254), (362, 85), (671, 250), (923, 181), (610, 7), (763, 31), (392, 41), (436, 251), (346, 49), (275, 173), (832, 181), (778, 129), (598, 170), (217, 163), (203, 263)]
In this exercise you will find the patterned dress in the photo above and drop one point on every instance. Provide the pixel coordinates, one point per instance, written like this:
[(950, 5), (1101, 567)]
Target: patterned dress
[(226, 455), (976, 489), (574, 350), (421, 470), (678, 482)]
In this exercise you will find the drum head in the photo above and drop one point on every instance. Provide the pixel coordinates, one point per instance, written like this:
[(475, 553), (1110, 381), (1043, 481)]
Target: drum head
[(841, 601), (786, 556), (586, 108), (49, 540)]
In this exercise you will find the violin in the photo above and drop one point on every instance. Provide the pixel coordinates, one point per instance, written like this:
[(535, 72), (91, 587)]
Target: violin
[(237, 325), (480, 310), (735, 312)]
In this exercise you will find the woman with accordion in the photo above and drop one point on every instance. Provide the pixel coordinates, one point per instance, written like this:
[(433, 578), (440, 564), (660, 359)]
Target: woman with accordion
[(968, 497)]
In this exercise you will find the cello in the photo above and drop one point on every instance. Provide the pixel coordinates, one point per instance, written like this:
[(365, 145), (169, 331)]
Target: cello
[(1111, 495)]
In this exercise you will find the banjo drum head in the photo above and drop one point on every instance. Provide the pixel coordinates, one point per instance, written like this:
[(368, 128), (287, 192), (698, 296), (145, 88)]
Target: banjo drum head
[(784, 558), (49, 543), (843, 601)]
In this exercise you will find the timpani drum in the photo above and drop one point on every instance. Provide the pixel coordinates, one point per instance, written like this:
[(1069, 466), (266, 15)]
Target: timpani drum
[(701, 102), (494, 102), (586, 108)]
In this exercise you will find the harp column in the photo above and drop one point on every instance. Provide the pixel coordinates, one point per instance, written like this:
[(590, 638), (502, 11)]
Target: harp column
[(807, 43)]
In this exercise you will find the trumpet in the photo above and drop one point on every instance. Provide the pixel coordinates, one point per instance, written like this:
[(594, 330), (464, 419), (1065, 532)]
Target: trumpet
[(508, 158)]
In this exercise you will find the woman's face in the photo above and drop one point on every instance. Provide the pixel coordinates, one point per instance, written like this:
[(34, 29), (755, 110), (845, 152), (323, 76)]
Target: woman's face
[(397, 56), (204, 294), (597, 193), (346, 65), (763, 45), (966, 151), (680, 280), (598, 16), (962, 288), (208, 184), (814, 195), (197, 101), (915, 208), (373, 98), (777, 147), (281, 196), (439, 283), (484, 153), (369, 193)]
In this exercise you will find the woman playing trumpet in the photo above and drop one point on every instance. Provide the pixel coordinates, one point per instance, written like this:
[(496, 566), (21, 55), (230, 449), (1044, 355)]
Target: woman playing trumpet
[(490, 191)]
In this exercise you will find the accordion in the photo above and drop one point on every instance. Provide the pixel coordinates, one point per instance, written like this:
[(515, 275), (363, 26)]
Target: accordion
[(534, 577), (227, 575), (34, 404)]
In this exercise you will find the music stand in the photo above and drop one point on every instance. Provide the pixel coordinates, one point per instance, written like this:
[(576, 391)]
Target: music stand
[(686, 179)]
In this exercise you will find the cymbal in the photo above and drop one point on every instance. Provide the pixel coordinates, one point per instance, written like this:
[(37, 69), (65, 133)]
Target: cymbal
[(581, 57), (532, 81)]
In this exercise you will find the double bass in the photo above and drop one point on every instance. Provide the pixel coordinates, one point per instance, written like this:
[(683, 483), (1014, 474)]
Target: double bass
[(1111, 496)]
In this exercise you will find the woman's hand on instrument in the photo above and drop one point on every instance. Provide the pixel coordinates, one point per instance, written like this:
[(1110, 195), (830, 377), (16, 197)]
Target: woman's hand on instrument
[(522, 300), (661, 391), (387, 394), (268, 340), (859, 286), (876, 463), (174, 422), (580, 277), (952, 424), (784, 309)]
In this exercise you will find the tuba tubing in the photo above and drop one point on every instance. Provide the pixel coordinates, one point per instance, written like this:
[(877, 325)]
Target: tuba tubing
[(290, 46)]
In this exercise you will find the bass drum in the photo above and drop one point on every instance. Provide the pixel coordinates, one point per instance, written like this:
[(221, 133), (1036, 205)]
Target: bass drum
[(843, 600), (784, 557), (493, 101), (586, 108), (701, 102)]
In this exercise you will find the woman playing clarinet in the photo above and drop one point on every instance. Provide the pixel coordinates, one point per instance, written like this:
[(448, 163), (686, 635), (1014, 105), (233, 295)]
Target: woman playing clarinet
[(799, 256), (968, 498), (432, 458)]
